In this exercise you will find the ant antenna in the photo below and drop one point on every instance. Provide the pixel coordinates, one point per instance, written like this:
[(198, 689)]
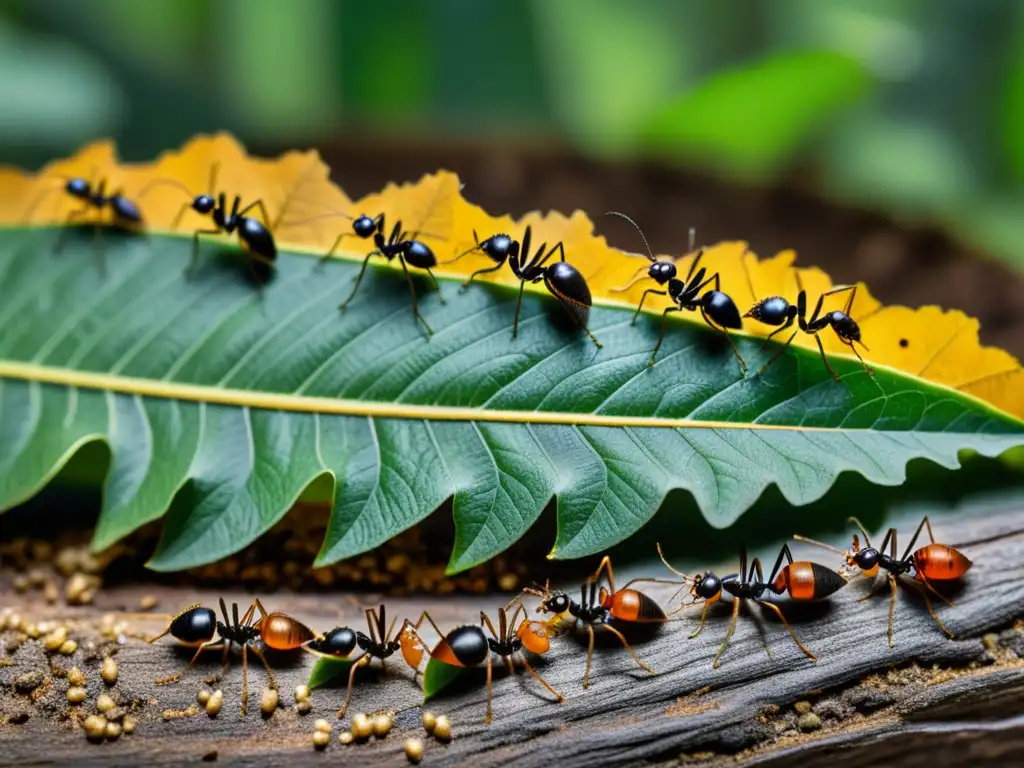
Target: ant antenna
[(687, 579), (650, 256), (855, 521), (746, 271), (476, 247), (167, 183), (798, 537)]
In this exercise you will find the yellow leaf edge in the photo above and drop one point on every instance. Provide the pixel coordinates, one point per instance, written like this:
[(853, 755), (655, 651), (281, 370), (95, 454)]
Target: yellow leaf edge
[(307, 213)]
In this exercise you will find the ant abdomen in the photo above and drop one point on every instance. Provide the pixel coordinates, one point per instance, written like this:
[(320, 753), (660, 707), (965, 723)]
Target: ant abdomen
[(418, 254), (567, 283), (807, 581), (464, 646), (258, 238), (194, 625), (340, 642), (722, 309), (774, 310), (844, 325)]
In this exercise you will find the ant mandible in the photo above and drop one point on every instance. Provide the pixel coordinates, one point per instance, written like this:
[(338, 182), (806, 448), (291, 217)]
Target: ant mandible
[(198, 626), (561, 278), (468, 646), (261, 249), (598, 609), (932, 562), (717, 308), (804, 581), (777, 311), (341, 642)]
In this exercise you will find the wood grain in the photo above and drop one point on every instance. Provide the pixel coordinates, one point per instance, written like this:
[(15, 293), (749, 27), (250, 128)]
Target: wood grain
[(923, 697)]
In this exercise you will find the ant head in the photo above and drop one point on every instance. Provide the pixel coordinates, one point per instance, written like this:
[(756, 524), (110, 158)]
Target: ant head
[(555, 602), (706, 587), (497, 247), (204, 203), (77, 188), (866, 559), (364, 226), (662, 271)]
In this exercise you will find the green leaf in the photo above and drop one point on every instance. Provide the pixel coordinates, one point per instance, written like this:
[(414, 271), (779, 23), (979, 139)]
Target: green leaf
[(438, 675), (326, 670), (221, 405), (750, 120)]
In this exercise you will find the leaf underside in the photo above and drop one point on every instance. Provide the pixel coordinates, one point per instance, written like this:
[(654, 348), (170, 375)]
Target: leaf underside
[(437, 675), (221, 475), (326, 670)]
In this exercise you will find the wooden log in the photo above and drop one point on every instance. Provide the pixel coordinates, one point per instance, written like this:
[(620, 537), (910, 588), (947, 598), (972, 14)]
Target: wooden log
[(910, 704)]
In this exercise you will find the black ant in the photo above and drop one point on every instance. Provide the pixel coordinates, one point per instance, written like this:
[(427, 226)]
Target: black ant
[(932, 562), (261, 249), (126, 214), (468, 646), (561, 278), (598, 608), (777, 311), (803, 580), (198, 626), (341, 642), (717, 308)]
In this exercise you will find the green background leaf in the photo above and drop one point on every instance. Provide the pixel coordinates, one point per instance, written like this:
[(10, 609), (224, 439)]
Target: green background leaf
[(195, 386), (326, 670), (438, 675)]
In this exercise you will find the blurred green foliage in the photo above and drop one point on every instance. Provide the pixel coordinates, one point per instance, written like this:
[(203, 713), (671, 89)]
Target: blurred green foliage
[(916, 106)]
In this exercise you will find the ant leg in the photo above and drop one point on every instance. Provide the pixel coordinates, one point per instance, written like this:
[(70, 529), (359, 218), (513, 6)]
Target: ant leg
[(568, 305), (490, 673), (783, 553), (177, 219), (483, 271), (359, 279), (356, 662), (271, 680), (212, 645), (330, 252), (605, 565), (194, 261), (892, 605), (412, 292), (703, 618), (639, 275), (519, 304), (864, 365), (934, 591), (928, 525), (780, 329), (72, 216), (913, 539), (785, 623), (419, 621), (642, 298), (590, 655), (437, 286), (245, 678), (842, 289), (931, 611), (625, 644), (225, 662), (821, 348), (661, 335), (693, 265), (732, 628), (263, 209), (559, 697), (760, 631), (777, 355), (735, 351)]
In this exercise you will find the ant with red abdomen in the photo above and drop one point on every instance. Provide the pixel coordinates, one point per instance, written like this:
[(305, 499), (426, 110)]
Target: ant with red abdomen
[(932, 562)]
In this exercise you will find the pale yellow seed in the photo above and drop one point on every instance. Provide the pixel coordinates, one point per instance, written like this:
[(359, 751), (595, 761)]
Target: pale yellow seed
[(429, 721), (346, 737), (203, 696), (13, 621), (215, 702), (55, 639), (113, 730), (304, 707), (321, 739), (32, 630), (322, 725), (50, 592), (268, 701), (301, 693), (94, 726), (128, 726), (147, 603), (362, 728), (104, 702), (414, 750), (381, 725), (76, 676), (108, 671), (76, 694), (68, 647), (442, 728)]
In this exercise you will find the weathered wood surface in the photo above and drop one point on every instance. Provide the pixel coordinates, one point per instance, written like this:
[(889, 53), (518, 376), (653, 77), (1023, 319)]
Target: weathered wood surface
[(937, 694)]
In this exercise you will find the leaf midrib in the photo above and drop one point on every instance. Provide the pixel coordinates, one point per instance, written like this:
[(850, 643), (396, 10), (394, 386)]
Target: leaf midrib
[(368, 408)]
